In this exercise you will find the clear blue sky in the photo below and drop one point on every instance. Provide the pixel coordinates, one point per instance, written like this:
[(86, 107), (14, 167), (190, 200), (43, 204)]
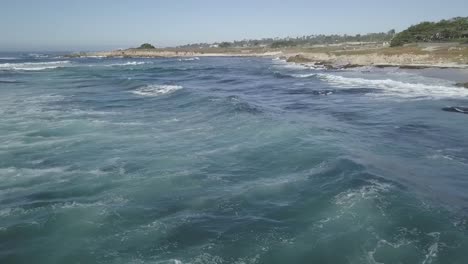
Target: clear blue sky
[(104, 24)]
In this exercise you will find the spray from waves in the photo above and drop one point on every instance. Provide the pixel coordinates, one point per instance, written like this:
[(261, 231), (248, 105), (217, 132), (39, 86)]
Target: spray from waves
[(33, 66), (156, 90)]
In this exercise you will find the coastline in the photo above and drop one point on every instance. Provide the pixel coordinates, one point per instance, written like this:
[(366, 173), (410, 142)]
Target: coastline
[(408, 57)]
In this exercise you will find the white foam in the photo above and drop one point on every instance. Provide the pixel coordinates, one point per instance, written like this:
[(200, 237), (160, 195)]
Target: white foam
[(396, 88), (157, 90), (33, 66), (433, 249), (95, 56), (278, 59), (129, 63), (190, 59), (295, 66), (37, 55), (372, 191), (44, 63), (305, 75), (7, 80), (279, 62), (11, 211), (27, 173)]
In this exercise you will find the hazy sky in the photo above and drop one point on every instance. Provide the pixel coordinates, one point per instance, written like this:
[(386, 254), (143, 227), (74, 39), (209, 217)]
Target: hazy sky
[(104, 24)]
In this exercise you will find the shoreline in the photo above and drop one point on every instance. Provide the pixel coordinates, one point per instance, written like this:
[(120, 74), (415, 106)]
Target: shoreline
[(405, 58)]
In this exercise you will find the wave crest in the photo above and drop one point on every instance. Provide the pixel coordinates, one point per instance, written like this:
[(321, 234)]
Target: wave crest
[(33, 66), (190, 59), (128, 63), (395, 88), (156, 90)]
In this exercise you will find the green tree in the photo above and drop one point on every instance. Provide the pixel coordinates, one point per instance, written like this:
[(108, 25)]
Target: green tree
[(225, 45), (146, 46), (444, 30), (282, 44)]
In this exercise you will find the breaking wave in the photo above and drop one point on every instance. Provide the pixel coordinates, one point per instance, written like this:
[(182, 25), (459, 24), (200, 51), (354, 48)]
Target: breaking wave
[(129, 63), (37, 55), (190, 59), (305, 75), (33, 66), (156, 90), (387, 87), (288, 165), (393, 87)]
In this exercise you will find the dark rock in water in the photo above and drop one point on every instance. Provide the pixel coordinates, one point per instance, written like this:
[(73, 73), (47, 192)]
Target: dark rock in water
[(298, 59), (349, 66), (326, 64), (309, 91), (322, 63), (456, 109), (464, 85), (413, 67), (382, 66), (330, 67)]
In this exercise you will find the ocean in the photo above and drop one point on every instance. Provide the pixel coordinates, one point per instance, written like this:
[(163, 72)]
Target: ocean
[(229, 160)]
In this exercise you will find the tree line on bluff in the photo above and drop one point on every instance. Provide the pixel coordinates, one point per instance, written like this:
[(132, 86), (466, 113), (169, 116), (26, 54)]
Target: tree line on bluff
[(451, 30)]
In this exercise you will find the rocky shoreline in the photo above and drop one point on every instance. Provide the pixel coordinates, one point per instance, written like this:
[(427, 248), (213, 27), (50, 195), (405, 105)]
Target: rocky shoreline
[(407, 61), (405, 58)]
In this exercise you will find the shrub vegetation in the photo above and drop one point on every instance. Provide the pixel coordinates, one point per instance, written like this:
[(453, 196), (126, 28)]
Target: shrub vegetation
[(455, 29)]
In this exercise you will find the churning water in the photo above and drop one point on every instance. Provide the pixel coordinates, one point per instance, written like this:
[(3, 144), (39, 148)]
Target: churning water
[(228, 160)]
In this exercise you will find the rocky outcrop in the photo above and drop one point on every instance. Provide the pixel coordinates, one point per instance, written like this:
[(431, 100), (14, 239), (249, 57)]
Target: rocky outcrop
[(456, 109), (414, 67), (350, 66), (299, 59), (464, 85)]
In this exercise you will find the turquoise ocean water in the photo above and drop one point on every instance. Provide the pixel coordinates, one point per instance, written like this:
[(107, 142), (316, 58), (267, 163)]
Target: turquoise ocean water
[(228, 160)]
